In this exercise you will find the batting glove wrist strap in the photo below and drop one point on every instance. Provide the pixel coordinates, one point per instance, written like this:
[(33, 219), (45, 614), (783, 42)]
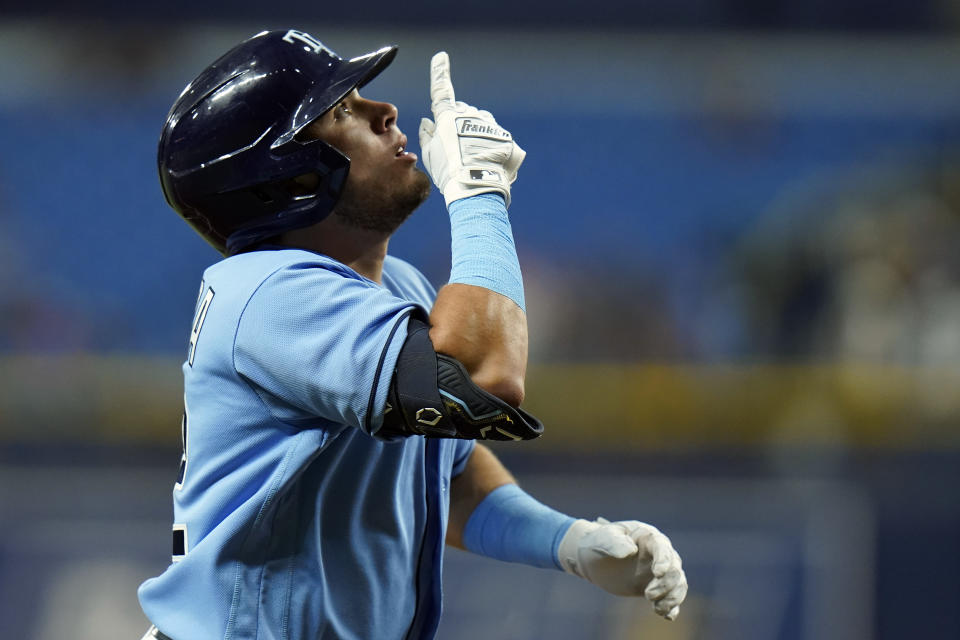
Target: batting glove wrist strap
[(512, 526), (627, 558), (464, 150)]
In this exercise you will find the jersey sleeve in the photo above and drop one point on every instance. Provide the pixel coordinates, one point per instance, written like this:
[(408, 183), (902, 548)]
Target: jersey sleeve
[(317, 341)]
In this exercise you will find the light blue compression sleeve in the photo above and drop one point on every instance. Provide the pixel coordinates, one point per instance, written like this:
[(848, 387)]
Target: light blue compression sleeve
[(512, 526), (483, 253)]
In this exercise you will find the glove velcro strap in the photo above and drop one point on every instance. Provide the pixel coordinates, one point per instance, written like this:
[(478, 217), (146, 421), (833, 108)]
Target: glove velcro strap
[(475, 177), (568, 549), (474, 181)]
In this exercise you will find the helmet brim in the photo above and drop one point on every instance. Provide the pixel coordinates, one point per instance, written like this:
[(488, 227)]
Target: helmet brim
[(349, 75)]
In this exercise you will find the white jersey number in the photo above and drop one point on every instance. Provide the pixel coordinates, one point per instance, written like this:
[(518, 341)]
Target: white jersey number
[(199, 315), (203, 305)]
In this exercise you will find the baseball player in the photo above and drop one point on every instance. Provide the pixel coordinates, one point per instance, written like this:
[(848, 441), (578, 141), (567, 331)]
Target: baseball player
[(334, 399)]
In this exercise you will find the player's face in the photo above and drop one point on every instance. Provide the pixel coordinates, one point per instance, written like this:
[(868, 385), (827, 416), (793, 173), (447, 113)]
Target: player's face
[(384, 185)]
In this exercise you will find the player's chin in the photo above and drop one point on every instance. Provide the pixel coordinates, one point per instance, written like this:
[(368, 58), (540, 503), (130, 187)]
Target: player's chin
[(421, 185), (413, 193)]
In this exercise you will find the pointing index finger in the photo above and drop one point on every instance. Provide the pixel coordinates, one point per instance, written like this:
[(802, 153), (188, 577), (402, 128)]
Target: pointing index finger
[(441, 87)]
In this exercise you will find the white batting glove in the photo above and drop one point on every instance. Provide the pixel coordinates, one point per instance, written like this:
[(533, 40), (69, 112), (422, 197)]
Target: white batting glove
[(464, 150), (627, 558)]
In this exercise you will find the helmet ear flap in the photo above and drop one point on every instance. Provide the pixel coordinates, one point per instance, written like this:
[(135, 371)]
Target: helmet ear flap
[(299, 187), (269, 193), (292, 204)]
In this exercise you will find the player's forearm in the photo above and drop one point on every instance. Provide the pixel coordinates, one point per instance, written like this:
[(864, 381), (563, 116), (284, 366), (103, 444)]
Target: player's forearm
[(485, 331), (479, 317), (483, 474), (491, 516)]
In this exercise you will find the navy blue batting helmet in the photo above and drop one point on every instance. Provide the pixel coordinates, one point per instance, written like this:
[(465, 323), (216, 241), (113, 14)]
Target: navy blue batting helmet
[(229, 147)]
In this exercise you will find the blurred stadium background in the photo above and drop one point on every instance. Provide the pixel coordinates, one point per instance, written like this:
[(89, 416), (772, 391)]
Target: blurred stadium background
[(739, 223)]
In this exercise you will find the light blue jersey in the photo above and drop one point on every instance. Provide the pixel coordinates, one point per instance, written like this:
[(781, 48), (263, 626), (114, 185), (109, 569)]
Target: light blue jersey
[(290, 519)]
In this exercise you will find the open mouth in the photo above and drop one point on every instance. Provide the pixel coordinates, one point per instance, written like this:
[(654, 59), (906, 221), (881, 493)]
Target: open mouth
[(402, 148)]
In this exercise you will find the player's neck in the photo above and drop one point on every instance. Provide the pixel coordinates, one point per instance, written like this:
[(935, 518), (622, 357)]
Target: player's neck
[(362, 250), (366, 258)]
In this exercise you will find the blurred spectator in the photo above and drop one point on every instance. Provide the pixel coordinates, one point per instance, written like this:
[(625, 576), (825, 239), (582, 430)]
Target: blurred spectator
[(597, 313), (869, 273)]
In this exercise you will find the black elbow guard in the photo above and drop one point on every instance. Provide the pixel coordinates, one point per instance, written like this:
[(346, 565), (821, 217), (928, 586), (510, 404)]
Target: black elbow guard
[(432, 395)]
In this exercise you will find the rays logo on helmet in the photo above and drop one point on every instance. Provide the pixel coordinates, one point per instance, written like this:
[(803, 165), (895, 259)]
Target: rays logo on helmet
[(305, 38)]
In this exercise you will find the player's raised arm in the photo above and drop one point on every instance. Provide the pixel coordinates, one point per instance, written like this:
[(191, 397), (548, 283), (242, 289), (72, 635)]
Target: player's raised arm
[(479, 316)]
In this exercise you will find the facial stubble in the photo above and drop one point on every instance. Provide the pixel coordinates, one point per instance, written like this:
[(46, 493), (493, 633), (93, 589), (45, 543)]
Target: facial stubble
[(382, 207)]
